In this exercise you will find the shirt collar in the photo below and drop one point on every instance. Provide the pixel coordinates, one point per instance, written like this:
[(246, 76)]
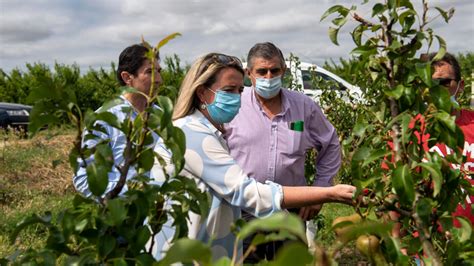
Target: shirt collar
[(127, 102), (198, 116), (284, 100)]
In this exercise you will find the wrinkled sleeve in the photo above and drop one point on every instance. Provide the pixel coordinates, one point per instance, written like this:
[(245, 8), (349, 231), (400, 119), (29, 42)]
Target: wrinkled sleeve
[(208, 160), (117, 144), (324, 138)]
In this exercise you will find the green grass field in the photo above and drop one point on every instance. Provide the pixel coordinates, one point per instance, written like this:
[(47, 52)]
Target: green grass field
[(35, 177)]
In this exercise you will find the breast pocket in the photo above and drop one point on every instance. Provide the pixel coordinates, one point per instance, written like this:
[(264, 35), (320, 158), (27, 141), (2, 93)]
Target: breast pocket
[(296, 143)]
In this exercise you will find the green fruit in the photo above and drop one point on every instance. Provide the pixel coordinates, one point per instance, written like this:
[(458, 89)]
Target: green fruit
[(342, 224), (368, 245)]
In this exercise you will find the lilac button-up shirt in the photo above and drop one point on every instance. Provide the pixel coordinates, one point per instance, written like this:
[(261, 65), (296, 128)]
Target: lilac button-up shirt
[(267, 149)]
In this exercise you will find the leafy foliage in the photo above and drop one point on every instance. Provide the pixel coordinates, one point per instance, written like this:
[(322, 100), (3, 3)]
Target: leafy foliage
[(386, 153), (90, 89), (108, 228), (383, 155)]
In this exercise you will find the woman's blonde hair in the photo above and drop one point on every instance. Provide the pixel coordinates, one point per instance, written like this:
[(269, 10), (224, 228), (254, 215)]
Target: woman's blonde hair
[(202, 73)]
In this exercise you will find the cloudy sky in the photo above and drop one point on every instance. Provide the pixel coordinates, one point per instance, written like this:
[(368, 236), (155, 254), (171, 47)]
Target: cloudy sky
[(92, 33)]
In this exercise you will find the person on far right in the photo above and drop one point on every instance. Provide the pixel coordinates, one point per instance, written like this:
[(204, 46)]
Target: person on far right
[(448, 73)]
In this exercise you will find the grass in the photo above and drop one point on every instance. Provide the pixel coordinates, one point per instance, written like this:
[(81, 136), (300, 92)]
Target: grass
[(30, 183), (326, 237)]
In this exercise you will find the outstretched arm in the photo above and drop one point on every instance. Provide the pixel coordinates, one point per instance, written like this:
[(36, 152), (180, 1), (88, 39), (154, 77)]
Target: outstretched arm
[(303, 196)]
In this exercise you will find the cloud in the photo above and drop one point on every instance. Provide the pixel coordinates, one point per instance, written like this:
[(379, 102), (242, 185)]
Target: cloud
[(93, 33)]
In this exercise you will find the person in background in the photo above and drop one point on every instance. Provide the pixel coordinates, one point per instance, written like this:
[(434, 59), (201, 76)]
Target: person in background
[(134, 70), (210, 97), (274, 129), (447, 72)]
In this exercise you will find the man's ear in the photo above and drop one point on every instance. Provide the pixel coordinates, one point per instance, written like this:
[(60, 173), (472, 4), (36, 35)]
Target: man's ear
[(461, 86), (126, 77)]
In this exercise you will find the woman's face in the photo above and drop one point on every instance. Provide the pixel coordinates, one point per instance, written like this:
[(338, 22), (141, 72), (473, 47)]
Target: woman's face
[(228, 79)]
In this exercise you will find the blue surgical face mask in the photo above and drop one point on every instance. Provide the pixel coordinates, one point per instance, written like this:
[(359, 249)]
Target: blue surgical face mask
[(453, 97), (268, 88), (224, 107)]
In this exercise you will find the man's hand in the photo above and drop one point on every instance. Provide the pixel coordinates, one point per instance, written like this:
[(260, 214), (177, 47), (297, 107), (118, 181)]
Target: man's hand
[(308, 213)]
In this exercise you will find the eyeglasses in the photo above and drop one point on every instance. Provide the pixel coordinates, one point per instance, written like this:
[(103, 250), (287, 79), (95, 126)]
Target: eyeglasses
[(264, 71), (216, 58), (444, 81)]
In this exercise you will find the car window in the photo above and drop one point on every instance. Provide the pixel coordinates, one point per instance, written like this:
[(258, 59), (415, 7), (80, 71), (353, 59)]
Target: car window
[(308, 77)]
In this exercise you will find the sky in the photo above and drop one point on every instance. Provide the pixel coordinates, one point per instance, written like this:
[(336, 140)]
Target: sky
[(92, 33)]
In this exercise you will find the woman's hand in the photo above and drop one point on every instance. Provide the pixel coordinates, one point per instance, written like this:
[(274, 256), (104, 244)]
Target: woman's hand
[(343, 193)]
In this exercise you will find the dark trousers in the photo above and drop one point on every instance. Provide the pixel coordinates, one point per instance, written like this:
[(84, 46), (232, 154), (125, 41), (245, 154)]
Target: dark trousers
[(266, 251)]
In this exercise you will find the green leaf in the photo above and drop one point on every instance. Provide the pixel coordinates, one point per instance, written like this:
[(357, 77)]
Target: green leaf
[(146, 159), (424, 71), (407, 4), (357, 34), (279, 221), (142, 236), (117, 212), (337, 8), (391, 4), (33, 219), (167, 39), (363, 227), (361, 154), (333, 35), (444, 14), (442, 49), (403, 183), (293, 254), (423, 209), (103, 156), (396, 93), (223, 261), (378, 9), (364, 50), (447, 120), (407, 19), (339, 21), (145, 259), (436, 175), (394, 250), (108, 118), (374, 155), (79, 226), (441, 98), (109, 104), (360, 128), (275, 236), (187, 250), (97, 179), (178, 152), (106, 244), (120, 262), (465, 230)]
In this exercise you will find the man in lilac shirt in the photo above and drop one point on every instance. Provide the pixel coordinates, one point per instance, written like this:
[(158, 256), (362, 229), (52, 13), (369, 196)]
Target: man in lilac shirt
[(261, 138)]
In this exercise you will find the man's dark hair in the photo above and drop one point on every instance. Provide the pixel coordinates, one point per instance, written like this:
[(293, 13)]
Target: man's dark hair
[(131, 59), (449, 59), (265, 50)]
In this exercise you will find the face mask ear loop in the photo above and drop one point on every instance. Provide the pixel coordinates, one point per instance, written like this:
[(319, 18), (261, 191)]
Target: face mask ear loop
[(205, 104), (211, 90), (457, 88)]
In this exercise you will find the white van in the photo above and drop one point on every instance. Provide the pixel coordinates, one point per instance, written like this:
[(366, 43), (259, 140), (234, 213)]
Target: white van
[(304, 74)]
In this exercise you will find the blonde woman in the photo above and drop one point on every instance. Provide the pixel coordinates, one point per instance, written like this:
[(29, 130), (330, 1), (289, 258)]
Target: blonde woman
[(210, 97)]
